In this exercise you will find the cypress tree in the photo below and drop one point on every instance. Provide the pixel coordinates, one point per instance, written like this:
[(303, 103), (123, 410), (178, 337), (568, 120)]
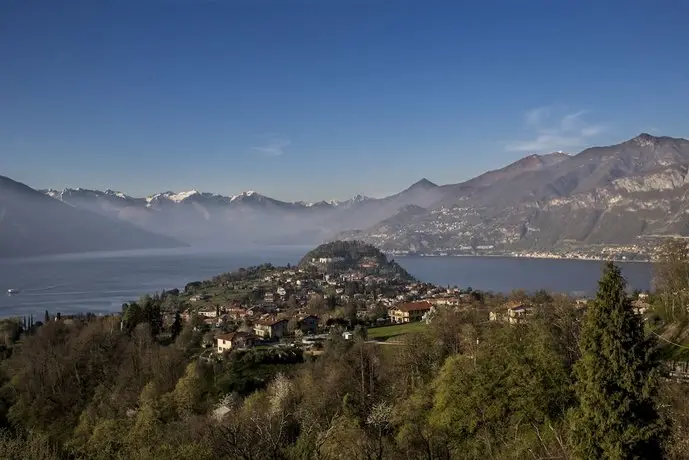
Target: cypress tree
[(616, 380)]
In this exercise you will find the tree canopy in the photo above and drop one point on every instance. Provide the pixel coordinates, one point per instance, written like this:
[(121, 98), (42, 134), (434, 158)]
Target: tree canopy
[(616, 380)]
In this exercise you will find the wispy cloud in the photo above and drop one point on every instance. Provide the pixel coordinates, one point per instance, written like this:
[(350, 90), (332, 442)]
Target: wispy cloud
[(535, 117), (275, 147), (555, 130)]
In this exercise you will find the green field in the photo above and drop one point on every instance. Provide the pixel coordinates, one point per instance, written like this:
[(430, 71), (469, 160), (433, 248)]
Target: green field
[(389, 332)]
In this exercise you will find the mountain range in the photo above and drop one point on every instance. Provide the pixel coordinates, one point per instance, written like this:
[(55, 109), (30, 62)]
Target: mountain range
[(615, 195), (32, 224)]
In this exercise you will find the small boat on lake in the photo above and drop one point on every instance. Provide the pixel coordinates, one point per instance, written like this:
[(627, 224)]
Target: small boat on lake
[(12, 291)]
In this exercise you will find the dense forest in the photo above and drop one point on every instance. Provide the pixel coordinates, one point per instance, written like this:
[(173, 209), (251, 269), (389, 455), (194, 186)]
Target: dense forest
[(570, 383)]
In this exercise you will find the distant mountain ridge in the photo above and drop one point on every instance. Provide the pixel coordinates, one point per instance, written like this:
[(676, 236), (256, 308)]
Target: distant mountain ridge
[(603, 195), (33, 224), (248, 217), (193, 195)]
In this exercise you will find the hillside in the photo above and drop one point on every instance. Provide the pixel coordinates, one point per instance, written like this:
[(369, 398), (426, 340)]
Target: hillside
[(32, 224), (353, 255), (624, 194)]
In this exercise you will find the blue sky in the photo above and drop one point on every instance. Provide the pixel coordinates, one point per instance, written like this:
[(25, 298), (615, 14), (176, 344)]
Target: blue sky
[(321, 99)]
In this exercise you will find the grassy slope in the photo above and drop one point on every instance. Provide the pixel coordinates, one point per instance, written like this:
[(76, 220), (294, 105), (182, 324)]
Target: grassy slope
[(388, 332)]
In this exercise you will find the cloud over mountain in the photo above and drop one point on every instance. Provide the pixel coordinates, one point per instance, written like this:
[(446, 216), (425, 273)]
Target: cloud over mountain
[(550, 129)]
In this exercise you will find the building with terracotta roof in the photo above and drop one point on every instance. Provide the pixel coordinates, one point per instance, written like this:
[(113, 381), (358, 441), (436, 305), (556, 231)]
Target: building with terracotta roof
[(271, 328), (233, 340), (409, 312)]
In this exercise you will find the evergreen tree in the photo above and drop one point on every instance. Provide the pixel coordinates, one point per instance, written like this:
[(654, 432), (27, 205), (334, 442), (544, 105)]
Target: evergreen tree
[(176, 327), (132, 316), (616, 380), (153, 316)]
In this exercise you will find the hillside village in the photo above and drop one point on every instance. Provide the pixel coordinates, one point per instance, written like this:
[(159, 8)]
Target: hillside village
[(332, 288), (345, 288)]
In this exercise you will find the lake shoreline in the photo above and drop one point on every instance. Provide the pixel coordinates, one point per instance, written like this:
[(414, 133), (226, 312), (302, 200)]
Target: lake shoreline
[(92, 283), (509, 256)]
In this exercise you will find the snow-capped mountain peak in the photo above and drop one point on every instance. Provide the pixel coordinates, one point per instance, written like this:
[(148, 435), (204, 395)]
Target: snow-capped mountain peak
[(247, 194), (181, 196), (84, 193), (175, 197), (358, 198), (322, 203), (116, 194)]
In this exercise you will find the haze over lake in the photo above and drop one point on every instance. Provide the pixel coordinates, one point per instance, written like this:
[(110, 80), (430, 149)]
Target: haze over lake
[(101, 282)]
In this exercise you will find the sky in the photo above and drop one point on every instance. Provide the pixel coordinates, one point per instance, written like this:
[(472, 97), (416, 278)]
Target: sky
[(324, 99)]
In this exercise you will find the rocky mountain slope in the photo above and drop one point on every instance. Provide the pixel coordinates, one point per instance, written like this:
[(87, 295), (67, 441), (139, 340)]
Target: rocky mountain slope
[(34, 224), (604, 195)]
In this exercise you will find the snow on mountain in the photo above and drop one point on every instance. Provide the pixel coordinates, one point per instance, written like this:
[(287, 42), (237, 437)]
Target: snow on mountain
[(243, 195), (169, 197), (181, 196), (359, 199), (318, 204), (84, 193), (117, 194)]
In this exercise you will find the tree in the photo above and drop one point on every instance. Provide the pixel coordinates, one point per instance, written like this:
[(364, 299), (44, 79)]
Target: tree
[(132, 316), (350, 314), (331, 301), (488, 402), (360, 332), (188, 391), (671, 278), (616, 380), (315, 303), (152, 314), (176, 327), (10, 331)]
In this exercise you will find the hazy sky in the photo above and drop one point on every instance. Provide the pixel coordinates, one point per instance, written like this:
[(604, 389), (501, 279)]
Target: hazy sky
[(320, 99)]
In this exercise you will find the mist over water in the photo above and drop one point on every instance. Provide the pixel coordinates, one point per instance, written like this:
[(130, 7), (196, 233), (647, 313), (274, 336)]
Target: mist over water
[(101, 282)]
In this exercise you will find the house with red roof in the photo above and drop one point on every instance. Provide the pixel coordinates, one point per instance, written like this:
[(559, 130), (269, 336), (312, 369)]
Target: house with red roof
[(409, 312)]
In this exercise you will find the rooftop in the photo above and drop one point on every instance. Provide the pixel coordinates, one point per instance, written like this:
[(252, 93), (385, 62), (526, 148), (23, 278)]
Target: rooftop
[(414, 306)]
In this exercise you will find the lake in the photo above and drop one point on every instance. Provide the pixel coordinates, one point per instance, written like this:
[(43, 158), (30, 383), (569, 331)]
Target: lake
[(101, 282)]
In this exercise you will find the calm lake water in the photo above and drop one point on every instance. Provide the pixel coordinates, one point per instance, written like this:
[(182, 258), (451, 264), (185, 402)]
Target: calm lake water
[(101, 282)]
